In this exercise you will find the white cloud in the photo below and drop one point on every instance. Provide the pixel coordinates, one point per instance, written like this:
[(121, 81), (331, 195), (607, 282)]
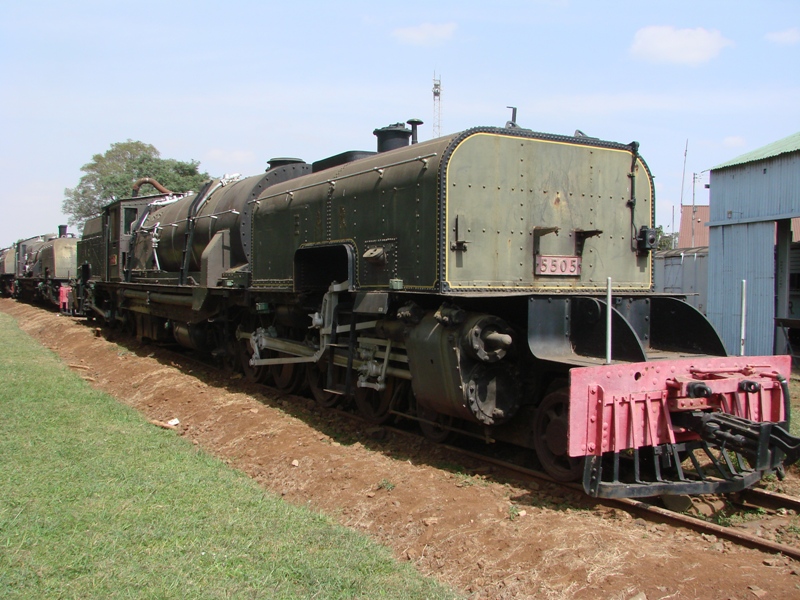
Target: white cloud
[(665, 44), (787, 37), (734, 141), (426, 34)]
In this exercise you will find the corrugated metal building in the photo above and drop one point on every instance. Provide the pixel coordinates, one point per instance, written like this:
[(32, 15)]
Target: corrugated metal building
[(753, 199), (683, 271)]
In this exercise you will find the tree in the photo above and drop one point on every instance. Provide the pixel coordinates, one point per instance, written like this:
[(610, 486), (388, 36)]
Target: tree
[(111, 175), (666, 241)]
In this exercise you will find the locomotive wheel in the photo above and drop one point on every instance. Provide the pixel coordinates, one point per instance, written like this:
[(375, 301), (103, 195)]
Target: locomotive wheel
[(259, 374), (231, 357), (435, 426), (288, 377), (550, 426), (375, 405), (317, 378)]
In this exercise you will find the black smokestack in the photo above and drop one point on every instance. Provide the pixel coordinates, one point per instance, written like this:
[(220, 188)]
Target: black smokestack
[(392, 137)]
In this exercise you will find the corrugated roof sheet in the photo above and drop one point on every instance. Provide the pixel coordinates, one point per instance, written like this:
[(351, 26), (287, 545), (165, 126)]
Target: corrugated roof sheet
[(700, 251), (787, 144)]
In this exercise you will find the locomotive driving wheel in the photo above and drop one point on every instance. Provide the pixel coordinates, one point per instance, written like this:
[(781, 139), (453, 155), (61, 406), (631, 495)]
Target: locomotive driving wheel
[(287, 377), (317, 379), (550, 427), (257, 374), (375, 405), (434, 425)]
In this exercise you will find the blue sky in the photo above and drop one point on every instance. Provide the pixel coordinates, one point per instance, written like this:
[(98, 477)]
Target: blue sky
[(234, 84)]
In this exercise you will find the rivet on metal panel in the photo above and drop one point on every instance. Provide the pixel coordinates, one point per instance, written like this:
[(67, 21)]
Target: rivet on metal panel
[(591, 447)]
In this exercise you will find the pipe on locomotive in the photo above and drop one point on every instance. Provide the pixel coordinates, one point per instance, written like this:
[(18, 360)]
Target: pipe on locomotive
[(140, 182)]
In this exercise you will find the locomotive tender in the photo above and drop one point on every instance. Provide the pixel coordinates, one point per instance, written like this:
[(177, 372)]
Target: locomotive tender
[(35, 269), (495, 283)]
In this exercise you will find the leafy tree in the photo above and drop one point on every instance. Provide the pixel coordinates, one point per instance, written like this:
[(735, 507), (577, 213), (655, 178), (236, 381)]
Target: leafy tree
[(666, 241), (111, 175)]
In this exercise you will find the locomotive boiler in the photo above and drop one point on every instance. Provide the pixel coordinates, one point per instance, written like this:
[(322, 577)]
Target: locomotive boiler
[(495, 283)]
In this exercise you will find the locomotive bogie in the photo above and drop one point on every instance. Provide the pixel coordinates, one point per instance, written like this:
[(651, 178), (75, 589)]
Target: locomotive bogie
[(454, 375)]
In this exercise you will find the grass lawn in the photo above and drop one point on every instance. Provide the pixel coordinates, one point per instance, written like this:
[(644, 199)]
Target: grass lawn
[(97, 503)]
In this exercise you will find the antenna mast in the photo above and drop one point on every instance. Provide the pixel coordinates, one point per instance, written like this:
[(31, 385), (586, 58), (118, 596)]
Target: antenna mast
[(437, 106), (683, 181), (683, 176)]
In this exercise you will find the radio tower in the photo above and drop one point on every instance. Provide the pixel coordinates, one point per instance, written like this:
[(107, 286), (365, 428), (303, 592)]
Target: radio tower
[(437, 106)]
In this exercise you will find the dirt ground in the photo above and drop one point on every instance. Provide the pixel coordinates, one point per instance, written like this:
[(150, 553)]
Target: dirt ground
[(487, 537)]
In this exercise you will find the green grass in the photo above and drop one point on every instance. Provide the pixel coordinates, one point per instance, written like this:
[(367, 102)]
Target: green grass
[(97, 503)]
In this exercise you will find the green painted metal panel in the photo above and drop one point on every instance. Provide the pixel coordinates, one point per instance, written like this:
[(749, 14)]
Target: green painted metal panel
[(512, 198), (385, 206)]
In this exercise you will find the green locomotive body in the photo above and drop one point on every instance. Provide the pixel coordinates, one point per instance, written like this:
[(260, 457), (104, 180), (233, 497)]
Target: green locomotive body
[(487, 284), (43, 265), (470, 213)]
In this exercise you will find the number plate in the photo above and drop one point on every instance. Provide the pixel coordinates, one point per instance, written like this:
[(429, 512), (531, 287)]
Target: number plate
[(558, 265)]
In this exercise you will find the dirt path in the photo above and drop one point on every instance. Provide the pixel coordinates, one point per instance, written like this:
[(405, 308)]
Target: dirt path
[(488, 538)]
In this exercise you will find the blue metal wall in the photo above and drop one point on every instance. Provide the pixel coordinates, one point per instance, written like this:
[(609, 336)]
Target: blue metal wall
[(768, 189), (746, 200), (740, 252)]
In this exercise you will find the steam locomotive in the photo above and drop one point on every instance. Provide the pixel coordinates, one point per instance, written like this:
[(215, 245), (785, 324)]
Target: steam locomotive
[(37, 268), (495, 283)]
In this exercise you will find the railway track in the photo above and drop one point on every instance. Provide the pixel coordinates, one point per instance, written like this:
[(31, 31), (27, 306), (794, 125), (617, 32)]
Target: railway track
[(752, 498), (770, 502)]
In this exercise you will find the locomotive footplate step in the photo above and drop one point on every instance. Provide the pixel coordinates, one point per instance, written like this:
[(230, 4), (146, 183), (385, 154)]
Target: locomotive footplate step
[(658, 471)]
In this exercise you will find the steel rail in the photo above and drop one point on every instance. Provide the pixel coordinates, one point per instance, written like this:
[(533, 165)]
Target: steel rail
[(769, 500), (755, 496), (657, 513)]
